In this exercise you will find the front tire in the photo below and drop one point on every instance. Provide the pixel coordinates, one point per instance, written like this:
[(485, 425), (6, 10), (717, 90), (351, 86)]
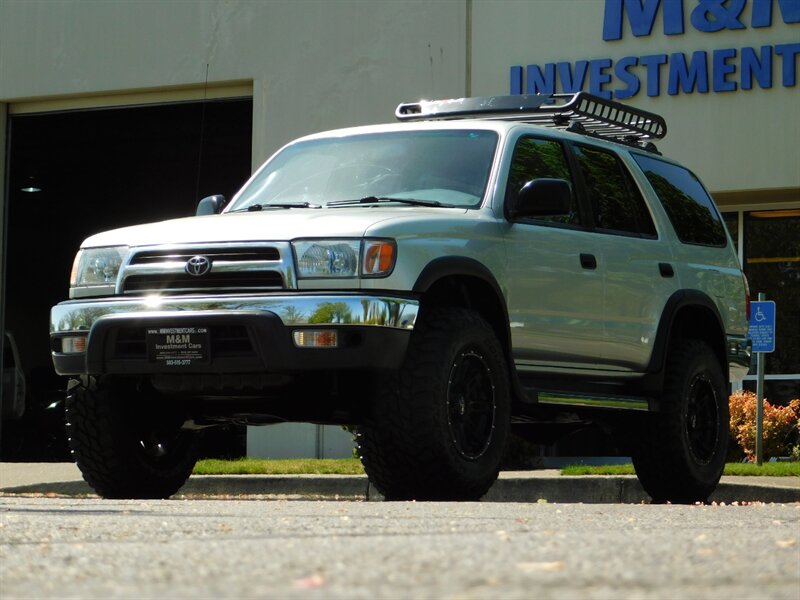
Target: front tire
[(126, 444), (438, 429), (681, 452)]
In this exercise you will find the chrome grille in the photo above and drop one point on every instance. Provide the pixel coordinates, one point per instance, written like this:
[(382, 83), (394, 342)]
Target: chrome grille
[(235, 254), (234, 268), (247, 281)]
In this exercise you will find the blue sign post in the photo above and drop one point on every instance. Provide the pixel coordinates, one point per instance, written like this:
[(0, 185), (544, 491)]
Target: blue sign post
[(762, 334), (762, 326)]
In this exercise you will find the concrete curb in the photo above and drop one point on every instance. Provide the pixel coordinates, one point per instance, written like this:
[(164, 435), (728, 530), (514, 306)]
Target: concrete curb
[(510, 487), (622, 490)]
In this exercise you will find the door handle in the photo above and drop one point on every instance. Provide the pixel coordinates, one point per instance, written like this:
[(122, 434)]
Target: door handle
[(588, 261)]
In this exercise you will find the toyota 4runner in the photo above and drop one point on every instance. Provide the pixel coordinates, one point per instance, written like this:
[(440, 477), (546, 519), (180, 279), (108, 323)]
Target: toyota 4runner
[(486, 263)]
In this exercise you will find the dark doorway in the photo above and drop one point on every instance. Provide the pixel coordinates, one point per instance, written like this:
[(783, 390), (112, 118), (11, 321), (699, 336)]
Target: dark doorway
[(96, 170)]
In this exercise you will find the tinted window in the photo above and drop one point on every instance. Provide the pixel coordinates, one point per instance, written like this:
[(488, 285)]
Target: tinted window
[(535, 159), (686, 202), (616, 203)]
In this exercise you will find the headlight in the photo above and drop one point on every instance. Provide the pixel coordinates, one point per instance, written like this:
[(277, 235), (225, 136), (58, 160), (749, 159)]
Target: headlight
[(344, 258), (329, 258), (95, 270)]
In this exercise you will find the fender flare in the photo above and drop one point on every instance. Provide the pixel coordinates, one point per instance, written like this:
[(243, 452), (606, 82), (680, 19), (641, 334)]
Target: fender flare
[(461, 266), (664, 334), (447, 266)]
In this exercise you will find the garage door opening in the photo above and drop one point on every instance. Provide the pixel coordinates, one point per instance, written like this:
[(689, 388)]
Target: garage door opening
[(73, 174)]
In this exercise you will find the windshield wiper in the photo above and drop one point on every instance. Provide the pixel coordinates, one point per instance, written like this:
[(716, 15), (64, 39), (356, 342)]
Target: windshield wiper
[(387, 199), (257, 207)]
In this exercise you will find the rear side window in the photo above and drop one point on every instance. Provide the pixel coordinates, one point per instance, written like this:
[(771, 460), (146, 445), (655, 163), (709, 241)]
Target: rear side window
[(616, 204), (686, 202), (536, 158)]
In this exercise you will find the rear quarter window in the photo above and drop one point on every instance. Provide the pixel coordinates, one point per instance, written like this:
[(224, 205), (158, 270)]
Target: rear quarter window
[(689, 207)]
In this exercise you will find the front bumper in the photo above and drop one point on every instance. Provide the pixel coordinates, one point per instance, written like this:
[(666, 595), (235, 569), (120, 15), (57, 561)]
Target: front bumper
[(248, 333)]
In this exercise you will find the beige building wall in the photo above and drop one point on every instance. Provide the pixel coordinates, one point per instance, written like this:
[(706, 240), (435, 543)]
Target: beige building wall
[(317, 64), (739, 140), (313, 64)]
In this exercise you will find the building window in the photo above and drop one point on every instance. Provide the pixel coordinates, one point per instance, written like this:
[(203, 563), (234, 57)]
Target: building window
[(732, 223), (771, 258)]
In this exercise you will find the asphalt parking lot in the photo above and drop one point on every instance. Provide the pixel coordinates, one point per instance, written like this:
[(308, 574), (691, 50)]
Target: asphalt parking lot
[(536, 534), (91, 548)]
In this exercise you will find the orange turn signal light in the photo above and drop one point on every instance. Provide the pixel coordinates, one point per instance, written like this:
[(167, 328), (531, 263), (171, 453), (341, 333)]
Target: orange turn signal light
[(379, 257)]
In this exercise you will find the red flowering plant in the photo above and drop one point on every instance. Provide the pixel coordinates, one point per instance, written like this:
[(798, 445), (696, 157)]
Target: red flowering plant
[(781, 425)]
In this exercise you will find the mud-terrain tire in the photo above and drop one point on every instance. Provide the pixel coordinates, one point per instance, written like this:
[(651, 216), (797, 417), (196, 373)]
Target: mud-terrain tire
[(681, 450), (438, 428), (125, 444)]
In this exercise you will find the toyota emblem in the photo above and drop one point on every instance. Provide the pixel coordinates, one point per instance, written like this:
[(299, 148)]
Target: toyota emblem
[(198, 265)]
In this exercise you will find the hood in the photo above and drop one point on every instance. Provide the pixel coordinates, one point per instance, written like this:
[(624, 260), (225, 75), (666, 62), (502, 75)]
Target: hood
[(272, 225)]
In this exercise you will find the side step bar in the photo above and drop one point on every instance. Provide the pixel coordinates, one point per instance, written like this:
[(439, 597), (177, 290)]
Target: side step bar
[(594, 401)]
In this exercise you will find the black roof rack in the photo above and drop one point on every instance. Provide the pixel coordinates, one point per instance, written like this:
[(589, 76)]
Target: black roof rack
[(581, 112)]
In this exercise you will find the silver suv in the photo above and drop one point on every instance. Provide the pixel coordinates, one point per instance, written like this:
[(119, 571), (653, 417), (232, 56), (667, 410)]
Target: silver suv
[(487, 263)]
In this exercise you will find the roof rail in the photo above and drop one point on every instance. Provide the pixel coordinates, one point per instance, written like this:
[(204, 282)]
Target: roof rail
[(595, 115)]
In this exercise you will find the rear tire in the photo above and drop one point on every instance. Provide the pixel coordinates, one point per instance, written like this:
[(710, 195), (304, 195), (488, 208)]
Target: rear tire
[(681, 450), (127, 445), (438, 428)]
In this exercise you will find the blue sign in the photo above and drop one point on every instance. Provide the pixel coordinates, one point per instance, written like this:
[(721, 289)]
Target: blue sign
[(708, 16), (762, 326), (726, 69)]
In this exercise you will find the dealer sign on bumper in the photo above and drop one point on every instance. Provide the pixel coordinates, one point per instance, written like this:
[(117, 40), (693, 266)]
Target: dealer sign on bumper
[(177, 346)]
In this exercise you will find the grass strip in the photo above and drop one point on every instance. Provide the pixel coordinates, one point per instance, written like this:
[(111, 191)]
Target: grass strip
[(601, 470), (352, 466), (769, 469), (265, 466)]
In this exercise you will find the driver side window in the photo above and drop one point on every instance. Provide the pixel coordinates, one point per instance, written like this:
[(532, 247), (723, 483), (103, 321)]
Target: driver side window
[(536, 158)]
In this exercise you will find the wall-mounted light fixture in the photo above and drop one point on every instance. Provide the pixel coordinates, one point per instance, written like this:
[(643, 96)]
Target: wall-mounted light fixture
[(30, 186)]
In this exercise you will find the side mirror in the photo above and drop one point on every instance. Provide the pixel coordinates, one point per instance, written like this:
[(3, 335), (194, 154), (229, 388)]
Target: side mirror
[(543, 198), (210, 205)]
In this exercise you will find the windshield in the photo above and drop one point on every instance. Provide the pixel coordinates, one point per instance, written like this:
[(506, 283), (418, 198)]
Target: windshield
[(442, 167)]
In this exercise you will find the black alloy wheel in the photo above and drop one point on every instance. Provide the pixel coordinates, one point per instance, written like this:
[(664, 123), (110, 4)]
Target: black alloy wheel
[(471, 404), (438, 428), (127, 442), (679, 452), (702, 419)]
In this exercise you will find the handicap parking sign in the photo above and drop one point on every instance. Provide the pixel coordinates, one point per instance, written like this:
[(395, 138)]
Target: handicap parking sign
[(762, 326)]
